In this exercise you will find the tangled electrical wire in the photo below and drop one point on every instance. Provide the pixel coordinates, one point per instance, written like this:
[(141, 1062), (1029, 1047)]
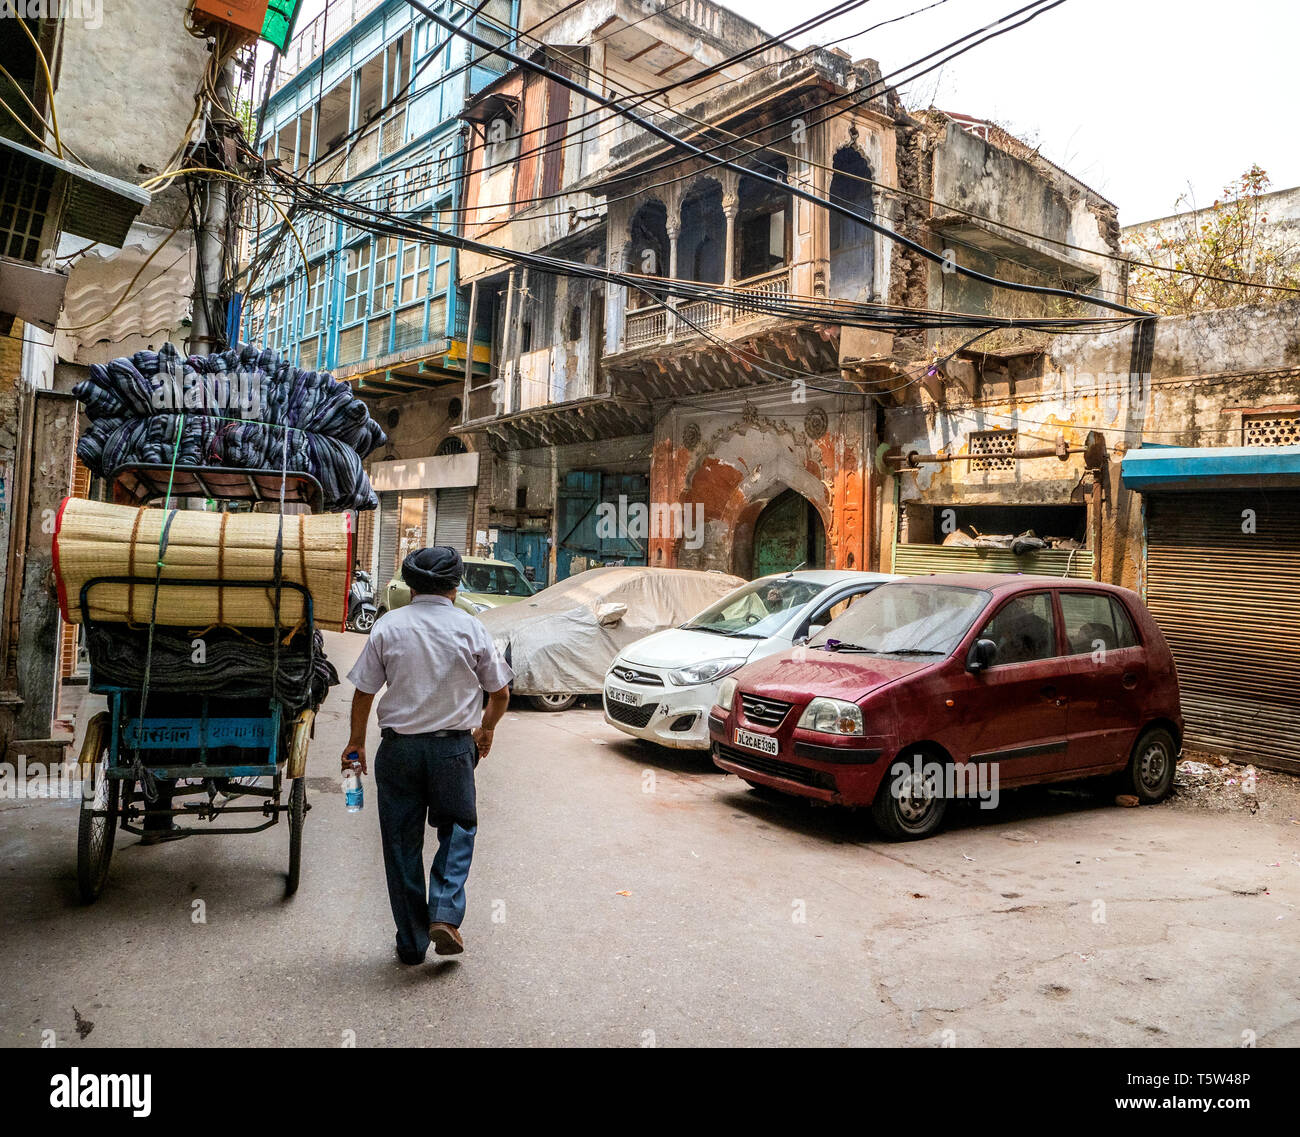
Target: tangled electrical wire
[(306, 197)]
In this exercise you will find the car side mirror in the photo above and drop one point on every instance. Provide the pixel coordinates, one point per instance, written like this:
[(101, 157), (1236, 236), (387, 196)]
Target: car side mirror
[(981, 655), (608, 614), (813, 629)]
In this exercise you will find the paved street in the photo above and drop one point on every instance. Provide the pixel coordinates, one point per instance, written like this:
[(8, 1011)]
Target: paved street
[(625, 896)]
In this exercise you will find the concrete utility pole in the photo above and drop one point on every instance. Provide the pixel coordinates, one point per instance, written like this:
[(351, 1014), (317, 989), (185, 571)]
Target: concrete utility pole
[(204, 336)]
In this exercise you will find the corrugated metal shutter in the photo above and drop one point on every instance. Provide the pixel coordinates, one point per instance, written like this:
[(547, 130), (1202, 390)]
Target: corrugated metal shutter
[(916, 560), (1226, 600), (388, 517), (451, 526)]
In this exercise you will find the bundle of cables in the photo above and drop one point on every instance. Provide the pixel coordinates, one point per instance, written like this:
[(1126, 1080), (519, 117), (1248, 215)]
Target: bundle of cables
[(238, 406)]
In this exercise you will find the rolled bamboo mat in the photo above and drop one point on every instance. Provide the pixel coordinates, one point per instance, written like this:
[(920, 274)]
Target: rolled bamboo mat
[(96, 539)]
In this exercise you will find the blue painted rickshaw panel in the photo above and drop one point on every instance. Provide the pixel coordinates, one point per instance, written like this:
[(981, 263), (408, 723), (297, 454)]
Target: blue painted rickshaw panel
[(194, 734)]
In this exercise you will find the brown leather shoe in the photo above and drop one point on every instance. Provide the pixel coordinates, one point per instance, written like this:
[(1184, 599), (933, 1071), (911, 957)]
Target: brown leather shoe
[(445, 939)]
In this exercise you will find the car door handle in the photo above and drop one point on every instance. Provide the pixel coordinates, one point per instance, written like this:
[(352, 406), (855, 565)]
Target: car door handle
[(1130, 681)]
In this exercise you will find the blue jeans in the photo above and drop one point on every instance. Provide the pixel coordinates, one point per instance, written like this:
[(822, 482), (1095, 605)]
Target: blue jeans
[(423, 779)]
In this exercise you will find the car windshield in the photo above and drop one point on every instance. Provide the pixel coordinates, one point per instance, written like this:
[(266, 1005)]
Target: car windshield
[(757, 610), (905, 618), (512, 582), (495, 580)]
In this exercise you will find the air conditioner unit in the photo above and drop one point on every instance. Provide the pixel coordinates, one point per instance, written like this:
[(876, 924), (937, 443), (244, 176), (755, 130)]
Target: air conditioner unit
[(41, 198)]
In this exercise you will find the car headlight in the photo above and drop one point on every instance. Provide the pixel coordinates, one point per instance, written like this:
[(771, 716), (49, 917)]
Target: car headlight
[(831, 716), (726, 694), (704, 672)]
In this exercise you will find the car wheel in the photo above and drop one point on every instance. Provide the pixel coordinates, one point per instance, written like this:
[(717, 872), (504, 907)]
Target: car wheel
[(1149, 775), (909, 807), (553, 702)]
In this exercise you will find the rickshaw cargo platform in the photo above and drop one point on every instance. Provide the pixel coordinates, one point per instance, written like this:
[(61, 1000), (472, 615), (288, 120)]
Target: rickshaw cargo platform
[(245, 408), (201, 631), (226, 757), (96, 540), (233, 663)]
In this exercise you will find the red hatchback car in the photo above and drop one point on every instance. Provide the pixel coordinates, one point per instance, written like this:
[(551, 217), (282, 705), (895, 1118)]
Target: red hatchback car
[(940, 686)]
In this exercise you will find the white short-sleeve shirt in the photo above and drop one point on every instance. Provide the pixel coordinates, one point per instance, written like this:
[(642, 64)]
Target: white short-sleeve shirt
[(436, 661)]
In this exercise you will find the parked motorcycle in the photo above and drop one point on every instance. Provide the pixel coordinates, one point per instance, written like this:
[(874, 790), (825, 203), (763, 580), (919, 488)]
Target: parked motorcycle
[(362, 610)]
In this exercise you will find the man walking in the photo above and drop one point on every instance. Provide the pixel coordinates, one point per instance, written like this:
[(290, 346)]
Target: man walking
[(437, 661)]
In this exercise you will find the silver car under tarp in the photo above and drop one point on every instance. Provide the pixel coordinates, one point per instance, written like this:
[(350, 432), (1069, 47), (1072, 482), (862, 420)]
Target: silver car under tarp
[(563, 640)]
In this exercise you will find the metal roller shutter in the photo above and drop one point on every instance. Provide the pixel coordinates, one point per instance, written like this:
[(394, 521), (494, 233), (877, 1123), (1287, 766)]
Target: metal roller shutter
[(1226, 600), (388, 518), (451, 525), (917, 560)]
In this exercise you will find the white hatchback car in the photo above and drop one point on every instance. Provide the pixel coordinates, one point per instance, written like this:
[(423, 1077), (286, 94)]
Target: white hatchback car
[(660, 688)]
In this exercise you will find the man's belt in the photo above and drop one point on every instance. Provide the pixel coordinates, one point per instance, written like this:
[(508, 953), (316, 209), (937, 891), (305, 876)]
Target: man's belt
[(389, 732)]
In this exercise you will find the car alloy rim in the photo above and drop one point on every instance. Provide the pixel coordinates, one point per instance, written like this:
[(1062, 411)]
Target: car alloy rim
[(1153, 766), (554, 700)]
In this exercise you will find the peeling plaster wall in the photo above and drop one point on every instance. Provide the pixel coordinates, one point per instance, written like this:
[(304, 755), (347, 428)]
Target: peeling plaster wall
[(424, 421), (734, 460), (1006, 181), (972, 174), (11, 368), (126, 91), (1205, 370)]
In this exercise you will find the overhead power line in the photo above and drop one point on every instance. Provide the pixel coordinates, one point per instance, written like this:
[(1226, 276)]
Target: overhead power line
[(758, 175), (662, 289)]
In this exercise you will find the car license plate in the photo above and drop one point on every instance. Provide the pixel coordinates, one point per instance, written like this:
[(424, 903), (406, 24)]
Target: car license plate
[(628, 698), (762, 742)]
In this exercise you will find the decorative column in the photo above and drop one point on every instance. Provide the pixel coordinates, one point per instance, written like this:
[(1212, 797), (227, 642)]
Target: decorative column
[(674, 227), (730, 210), (616, 257)]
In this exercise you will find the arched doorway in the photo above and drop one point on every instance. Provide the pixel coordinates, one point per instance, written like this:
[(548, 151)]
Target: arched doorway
[(787, 534), (701, 245), (852, 244), (649, 240)]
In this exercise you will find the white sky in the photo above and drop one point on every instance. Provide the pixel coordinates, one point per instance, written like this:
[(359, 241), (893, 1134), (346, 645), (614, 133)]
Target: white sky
[(1139, 99), (1143, 100)]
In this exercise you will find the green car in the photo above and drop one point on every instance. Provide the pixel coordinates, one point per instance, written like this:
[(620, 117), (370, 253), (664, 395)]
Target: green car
[(486, 584)]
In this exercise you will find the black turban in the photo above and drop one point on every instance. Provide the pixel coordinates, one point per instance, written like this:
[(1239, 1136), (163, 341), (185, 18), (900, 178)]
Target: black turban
[(435, 569)]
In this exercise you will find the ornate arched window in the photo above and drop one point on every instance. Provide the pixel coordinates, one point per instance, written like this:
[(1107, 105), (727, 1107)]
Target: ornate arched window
[(852, 244)]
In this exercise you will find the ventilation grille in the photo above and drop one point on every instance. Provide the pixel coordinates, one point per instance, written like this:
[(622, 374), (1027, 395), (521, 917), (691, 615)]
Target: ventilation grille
[(25, 188), (993, 449), (1273, 429)]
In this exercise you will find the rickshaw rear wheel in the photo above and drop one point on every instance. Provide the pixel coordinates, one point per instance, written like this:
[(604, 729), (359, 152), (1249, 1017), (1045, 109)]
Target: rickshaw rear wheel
[(96, 828), (297, 815)]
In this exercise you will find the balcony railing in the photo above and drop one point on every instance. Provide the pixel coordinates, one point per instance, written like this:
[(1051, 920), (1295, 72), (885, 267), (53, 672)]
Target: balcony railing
[(654, 323), (645, 326), (318, 33)]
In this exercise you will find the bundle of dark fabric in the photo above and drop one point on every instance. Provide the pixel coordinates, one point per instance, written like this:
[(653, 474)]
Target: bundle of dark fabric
[(231, 664), (238, 407)]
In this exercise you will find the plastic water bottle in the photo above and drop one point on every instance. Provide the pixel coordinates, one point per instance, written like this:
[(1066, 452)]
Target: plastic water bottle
[(354, 793)]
